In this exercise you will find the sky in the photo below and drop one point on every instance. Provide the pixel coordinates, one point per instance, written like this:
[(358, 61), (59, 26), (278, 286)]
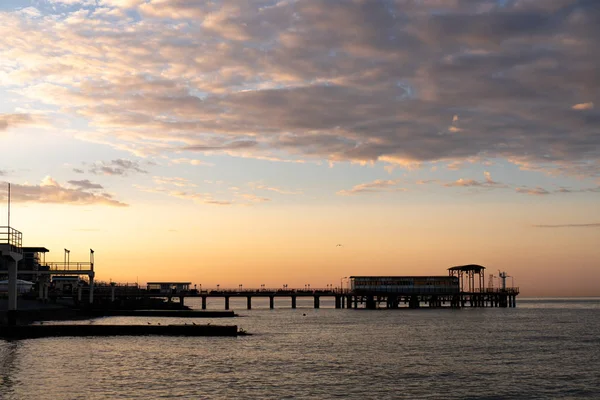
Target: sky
[(233, 142)]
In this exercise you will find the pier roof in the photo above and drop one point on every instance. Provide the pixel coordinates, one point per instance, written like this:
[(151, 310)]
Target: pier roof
[(35, 250), (468, 267)]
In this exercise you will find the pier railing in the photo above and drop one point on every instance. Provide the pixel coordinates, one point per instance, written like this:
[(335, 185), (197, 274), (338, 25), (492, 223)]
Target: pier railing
[(508, 290), (270, 290), (69, 266), (11, 237)]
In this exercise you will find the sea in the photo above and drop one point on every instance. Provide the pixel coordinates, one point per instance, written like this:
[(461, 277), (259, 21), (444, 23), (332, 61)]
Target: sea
[(543, 349)]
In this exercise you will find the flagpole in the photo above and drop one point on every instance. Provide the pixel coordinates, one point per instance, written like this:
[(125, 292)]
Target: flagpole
[(9, 204)]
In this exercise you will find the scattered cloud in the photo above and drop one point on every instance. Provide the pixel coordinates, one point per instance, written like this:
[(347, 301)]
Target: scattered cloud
[(253, 198), (78, 171), (8, 121), (191, 162), (583, 106), (377, 186), (536, 191), (86, 184), (464, 183), (590, 225), (562, 190), (49, 191), (261, 186), (175, 181), (116, 167), (196, 197), (487, 183)]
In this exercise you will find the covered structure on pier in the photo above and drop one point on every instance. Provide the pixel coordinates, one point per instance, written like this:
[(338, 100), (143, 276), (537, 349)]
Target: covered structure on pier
[(168, 287), (468, 273)]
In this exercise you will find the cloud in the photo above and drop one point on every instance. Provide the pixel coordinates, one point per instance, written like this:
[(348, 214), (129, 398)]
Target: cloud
[(8, 121), (580, 190), (191, 162), (254, 198), (563, 190), (78, 171), (49, 191), (464, 183), (583, 106), (537, 191), (487, 183), (196, 197), (73, 2), (378, 185), (175, 181), (86, 184), (236, 145), (116, 167), (261, 186), (590, 225), (274, 81)]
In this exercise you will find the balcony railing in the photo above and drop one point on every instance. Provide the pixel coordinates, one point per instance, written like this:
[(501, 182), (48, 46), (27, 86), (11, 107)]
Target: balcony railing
[(11, 237)]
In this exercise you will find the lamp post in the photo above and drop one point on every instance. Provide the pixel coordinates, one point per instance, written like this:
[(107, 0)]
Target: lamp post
[(67, 258)]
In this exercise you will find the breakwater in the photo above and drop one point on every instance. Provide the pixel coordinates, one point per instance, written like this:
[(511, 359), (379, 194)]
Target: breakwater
[(93, 313), (43, 331)]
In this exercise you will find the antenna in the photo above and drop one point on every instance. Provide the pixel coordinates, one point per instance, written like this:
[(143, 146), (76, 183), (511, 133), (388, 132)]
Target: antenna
[(503, 276), (9, 204)]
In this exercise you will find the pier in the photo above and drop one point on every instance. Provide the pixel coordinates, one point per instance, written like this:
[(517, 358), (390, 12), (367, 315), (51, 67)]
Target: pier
[(344, 298), (464, 286)]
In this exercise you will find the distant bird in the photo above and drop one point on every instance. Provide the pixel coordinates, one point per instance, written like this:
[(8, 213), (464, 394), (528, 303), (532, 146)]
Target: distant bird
[(339, 245)]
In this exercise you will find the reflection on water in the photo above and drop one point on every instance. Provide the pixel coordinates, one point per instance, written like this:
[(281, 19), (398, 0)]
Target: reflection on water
[(539, 350), (8, 354)]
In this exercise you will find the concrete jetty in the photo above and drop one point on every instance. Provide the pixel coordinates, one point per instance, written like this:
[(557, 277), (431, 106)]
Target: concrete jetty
[(44, 331), (158, 313)]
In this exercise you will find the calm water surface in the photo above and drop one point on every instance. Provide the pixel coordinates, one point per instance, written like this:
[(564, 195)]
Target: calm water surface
[(545, 348)]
